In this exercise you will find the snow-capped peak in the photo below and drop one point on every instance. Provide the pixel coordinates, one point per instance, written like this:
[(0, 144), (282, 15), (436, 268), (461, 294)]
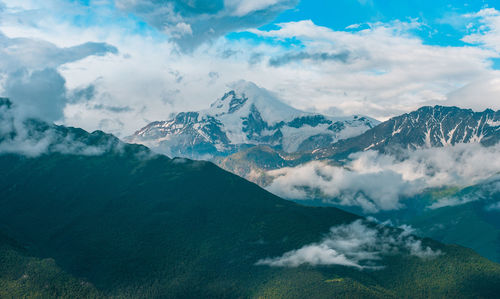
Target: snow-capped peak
[(246, 96), (246, 116)]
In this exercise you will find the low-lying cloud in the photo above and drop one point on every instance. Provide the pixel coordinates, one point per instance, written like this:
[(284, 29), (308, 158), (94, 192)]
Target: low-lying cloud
[(32, 138), (361, 245), (493, 207), (376, 182)]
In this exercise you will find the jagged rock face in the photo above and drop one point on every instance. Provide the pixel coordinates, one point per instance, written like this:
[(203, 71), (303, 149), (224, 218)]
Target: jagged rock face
[(436, 126), (186, 135), (242, 118), (440, 126)]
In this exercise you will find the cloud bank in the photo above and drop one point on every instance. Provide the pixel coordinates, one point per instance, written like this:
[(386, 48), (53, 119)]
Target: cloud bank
[(361, 245), (377, 182)]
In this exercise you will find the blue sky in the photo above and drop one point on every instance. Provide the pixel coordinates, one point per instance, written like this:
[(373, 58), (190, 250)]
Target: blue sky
[(439, 15), (128, 62)]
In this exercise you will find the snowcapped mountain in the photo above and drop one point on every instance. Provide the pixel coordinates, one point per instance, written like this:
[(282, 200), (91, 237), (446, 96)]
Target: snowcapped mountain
[(436, 126), (244, 117)]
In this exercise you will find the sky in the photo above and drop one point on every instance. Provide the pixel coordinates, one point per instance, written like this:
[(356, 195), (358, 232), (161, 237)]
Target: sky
[(116, 65)]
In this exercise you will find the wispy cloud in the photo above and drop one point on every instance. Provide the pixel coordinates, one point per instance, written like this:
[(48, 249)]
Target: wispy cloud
[(287, 58), (360, 244), (486, 30)]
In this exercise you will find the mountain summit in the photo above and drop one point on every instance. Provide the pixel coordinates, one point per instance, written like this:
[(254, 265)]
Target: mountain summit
[(244, 117), (245, 95)]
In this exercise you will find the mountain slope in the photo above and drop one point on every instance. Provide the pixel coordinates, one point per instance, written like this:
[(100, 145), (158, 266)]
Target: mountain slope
[(244, 117), (135, 224), (426, 127), (467, 216)]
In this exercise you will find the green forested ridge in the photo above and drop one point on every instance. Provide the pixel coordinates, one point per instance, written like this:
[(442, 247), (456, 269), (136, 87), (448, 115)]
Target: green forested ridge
[(130, 224)]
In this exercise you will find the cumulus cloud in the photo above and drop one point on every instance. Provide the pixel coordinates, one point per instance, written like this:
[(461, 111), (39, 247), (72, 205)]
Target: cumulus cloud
[(31, 76), (376, 182), (486, 30), (191, 23), (360, 244)]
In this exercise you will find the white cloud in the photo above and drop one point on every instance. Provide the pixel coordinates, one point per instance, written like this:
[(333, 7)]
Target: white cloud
[(27, 137), (315, 254), (29, 68), (480, 94), (377, 182), (486, 31), (360, 244)]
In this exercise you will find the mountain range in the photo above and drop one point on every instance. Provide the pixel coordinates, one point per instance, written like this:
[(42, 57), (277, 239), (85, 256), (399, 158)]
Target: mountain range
[(244, 117), (426, 127), (125, 222)]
